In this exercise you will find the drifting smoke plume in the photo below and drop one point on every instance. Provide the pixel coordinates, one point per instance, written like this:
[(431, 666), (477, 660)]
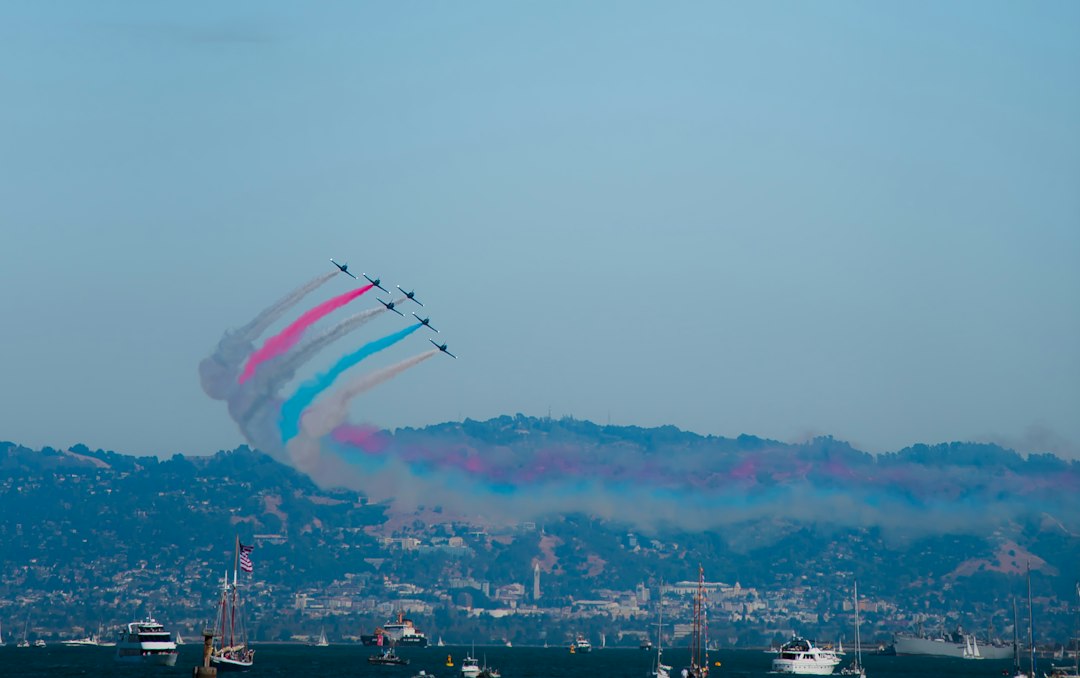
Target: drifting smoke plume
[(522, 468), (287, 338)]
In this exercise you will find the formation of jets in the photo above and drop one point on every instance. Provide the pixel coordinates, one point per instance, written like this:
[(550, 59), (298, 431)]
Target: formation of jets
[(391, 305)]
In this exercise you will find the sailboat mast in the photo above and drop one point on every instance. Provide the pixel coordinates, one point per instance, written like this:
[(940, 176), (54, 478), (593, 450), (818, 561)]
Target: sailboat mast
[(1031, 622), (858, 644), (236, 560), (1016, 638)]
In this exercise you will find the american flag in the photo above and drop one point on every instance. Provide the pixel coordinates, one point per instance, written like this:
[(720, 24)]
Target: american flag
[(245, 559)]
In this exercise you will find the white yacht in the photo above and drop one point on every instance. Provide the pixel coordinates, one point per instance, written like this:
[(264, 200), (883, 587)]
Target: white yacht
[(148, 642), (470, 667), (81, 642), (800, 656)]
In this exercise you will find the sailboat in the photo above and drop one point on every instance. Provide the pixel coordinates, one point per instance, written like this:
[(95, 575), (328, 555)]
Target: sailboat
[(1017, 671), (103, 641), (971, 648), (1, 635), (179, 640), (24, 642), (660, 670), (1031, 623), (1074, 670), (230, 650), (856, 668), (322, 642)]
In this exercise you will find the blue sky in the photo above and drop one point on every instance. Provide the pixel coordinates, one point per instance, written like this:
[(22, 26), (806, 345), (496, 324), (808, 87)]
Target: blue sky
[(859, 219)]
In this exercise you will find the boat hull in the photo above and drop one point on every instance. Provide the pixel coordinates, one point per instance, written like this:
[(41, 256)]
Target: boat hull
[(230, 665), (803, 667), (404, 641), (134, 656), (912, 645)]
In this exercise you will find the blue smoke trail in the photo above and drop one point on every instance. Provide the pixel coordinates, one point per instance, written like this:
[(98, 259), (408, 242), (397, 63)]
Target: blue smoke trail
[(291, 409)]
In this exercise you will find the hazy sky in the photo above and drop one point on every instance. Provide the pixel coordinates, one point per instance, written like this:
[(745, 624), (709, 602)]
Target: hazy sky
[(783, 219)]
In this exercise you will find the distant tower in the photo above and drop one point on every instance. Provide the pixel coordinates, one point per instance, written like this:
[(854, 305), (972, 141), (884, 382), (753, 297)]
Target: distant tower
[(536, 581)]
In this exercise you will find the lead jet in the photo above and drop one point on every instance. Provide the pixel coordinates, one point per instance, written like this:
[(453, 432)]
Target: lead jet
[(410, 295), (390, 307), (442, 347), (344, 268), (375, 282), (426, 322)]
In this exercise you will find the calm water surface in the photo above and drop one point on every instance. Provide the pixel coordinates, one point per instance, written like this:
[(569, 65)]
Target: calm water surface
[(294, 661)]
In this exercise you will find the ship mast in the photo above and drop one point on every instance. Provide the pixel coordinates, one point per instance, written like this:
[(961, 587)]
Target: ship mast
[(232, 602), (699, 662), (1031, 622)]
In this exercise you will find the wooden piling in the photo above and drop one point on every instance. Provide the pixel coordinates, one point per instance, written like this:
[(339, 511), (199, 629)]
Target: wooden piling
[(206, 671)]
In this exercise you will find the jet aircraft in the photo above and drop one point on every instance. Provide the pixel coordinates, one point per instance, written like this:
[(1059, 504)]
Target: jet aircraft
[(390, 307), (426, 322), (375, 282), (410, 295), (344, 268), (442, 347)]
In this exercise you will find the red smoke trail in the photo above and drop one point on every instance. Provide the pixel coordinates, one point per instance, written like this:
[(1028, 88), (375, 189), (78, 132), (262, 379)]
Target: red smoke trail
[(288, 337)]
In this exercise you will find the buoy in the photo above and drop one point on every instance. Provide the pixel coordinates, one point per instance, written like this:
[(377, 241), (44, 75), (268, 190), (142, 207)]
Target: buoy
[(449, 660)]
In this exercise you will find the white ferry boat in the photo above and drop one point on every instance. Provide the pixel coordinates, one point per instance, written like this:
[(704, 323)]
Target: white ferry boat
[(148, 642), (800, 656), (582, 644)]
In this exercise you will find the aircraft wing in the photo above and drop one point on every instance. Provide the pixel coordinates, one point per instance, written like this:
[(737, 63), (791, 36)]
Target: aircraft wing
[(348, 274), (397, 311)]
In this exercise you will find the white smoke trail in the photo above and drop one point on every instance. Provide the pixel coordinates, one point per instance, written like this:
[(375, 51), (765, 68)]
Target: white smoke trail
[(267, 318)]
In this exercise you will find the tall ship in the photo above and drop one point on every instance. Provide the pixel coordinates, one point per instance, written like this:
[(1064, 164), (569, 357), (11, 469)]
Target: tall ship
[(800, 656), (146, 642), (400, 633), (230, 651), (947, 645), (699, 635)]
